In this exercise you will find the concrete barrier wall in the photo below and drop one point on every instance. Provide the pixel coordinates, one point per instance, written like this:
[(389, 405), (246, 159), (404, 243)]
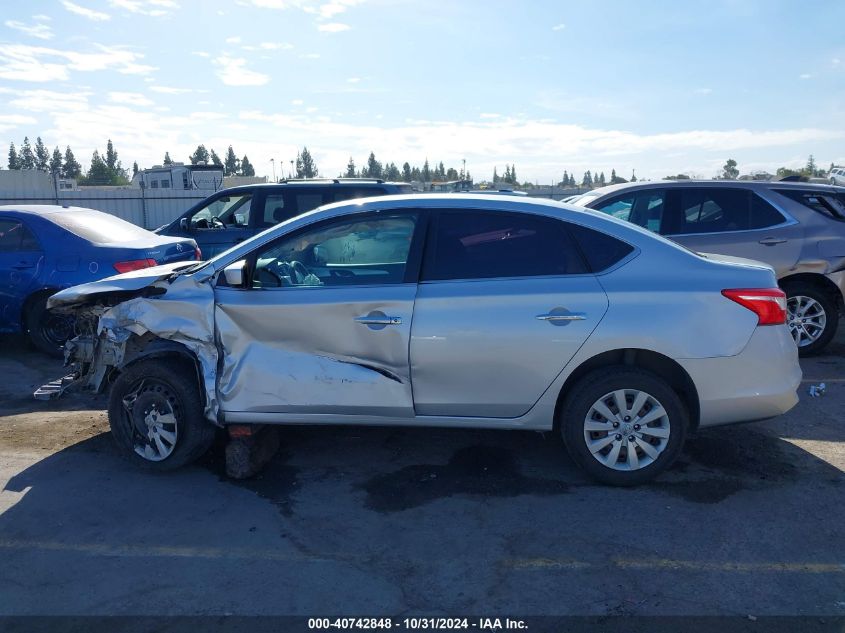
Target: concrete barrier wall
[(146, 208)]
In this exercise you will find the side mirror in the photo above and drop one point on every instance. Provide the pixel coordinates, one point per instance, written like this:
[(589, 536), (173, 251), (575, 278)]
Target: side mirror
[(234, 273), (184, 225)]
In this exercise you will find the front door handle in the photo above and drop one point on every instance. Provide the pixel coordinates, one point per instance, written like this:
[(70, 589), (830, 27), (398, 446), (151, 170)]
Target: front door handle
[(771, 241), (560, 317), (372, 319)]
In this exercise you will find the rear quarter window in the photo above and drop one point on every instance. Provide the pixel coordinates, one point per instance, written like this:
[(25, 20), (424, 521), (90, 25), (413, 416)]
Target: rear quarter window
[(601, 250), (829, 204)]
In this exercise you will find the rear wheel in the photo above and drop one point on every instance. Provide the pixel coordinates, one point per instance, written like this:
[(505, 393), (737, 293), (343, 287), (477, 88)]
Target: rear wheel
[(624, 426), (156, 415), (48, 331), (811, 315)]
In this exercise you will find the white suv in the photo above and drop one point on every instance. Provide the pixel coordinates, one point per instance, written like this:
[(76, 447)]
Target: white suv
[(837, 176)]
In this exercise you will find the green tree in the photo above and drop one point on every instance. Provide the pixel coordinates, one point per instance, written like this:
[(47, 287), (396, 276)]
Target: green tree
[(729, 171), (425, 173), (111, 158), (14, 161), (135, 169), (72, 168), (350, 168), (513, 175), (305, 165), (26, 157), (416, 174), (587, 180), (167, 159), (56, 162), (246, 167), (811, 166), (406, 172), (633, 175), (215, 160), (98, 172), (507, 177), (200, 155), (602, 181), (42, 155), (495, 175), (231, 166), (374, 167)]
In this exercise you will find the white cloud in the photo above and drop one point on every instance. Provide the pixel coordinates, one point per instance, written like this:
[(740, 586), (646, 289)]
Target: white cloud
[(21, 62), (559, 27), (275, 46), (41, 31), (353, 80), (805, 76), (233, 40), (703, 91), (130, 98), (310, 56), (152, 8), (91, 14), (233, 72), (41, 18), (297, 102), (201, 54), (12, 121), (490, 115), (170, 91), (47, 100), (333, 27)]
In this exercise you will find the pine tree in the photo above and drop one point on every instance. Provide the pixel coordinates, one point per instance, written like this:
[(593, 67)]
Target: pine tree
[(305, 165), (72, 169), (513, 175), (602, 181), (56, 162), (633, 175), (406, 172), (416, 174), (135, 169), (246, 167), (350, 168), (587, 181), (374, 168), (200, 155), (42, 155), (26, 157), (565, 180), (495, 175), (231, 165), (168, 160), (111, 158), (14, 161), (215, 159), (425, 174), (99, 172)]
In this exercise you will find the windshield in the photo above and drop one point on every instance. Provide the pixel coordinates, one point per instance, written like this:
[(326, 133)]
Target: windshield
[(97, 227)]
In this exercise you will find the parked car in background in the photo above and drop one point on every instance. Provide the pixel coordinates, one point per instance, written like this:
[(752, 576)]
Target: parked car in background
[(837, 176), (44, 249), (797, 228), (233, 215), (504, 312)]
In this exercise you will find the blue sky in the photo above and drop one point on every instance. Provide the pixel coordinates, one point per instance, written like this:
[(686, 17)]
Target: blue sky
[(660, 87)]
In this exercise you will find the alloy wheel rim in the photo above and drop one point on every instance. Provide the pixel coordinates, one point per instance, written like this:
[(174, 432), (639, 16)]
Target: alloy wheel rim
[(153, 415), (627, 429), (806, 319)]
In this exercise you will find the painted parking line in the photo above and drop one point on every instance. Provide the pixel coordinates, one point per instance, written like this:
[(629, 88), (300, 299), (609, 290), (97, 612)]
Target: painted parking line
[(679, 565)]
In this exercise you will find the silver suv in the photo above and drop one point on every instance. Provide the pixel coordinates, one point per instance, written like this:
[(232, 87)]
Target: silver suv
[(797, 228), (837, 176)]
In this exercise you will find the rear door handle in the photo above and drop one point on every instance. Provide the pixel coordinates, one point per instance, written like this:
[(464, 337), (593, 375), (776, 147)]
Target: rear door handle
[(23, 266), (771, 241), (560, 317), (379, 320)]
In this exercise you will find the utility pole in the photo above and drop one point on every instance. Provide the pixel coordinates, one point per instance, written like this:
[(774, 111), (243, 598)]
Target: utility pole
[(291, 169), (273, 162)]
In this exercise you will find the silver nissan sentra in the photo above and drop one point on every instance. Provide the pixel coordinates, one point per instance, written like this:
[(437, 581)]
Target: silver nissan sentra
[(441, 310)]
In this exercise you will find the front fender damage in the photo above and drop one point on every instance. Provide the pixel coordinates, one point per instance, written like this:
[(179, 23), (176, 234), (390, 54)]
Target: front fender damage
[(110, 336)]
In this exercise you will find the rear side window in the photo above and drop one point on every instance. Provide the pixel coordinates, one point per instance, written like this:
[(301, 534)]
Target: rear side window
[(715, 210), (600, 249), (479, 245), (350, 193), (830, 204), (15, 237)]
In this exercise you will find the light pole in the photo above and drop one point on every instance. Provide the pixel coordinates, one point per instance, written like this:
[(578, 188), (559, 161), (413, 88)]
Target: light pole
[(273, 162), (291, 169)]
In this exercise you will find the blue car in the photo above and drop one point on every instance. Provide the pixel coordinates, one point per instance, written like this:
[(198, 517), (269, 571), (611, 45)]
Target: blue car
[(44, 249)]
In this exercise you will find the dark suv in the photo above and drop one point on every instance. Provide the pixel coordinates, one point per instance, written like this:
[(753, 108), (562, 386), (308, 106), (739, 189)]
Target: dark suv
[(233, 215)]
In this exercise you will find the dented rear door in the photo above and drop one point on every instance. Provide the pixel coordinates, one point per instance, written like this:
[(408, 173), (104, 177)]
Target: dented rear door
[(291, 345)]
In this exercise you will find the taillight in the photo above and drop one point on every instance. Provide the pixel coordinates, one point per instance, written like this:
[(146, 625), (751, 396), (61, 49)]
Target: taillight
[(134, 264), (769, 304), (198, 254)]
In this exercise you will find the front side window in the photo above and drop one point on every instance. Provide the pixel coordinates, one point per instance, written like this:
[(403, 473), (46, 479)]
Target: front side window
[(223, 212), (644, 208), (479, 245), (618, 207), (360, 251), (15, 237)]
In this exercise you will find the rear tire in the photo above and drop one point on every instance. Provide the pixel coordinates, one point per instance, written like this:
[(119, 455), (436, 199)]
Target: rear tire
[(651, 423), (157, 417), (47, 330), (819, 311)]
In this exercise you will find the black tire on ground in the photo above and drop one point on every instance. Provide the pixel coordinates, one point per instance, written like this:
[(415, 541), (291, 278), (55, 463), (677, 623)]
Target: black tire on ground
[(587, 391), (166, 385), (47, 331), (827, 302)]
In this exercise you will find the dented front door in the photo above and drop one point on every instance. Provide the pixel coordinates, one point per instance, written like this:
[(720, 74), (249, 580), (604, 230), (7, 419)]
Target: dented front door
[(323, 324)]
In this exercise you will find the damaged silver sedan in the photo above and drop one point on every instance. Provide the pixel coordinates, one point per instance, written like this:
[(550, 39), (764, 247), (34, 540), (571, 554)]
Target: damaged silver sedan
[(440, 310)]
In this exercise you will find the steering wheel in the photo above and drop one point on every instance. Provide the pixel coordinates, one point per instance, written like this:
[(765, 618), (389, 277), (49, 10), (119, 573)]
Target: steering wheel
[(298, 272), (217, 222)]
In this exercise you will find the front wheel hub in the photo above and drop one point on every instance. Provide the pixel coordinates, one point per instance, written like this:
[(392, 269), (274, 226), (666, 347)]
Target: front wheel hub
[(153, 414)]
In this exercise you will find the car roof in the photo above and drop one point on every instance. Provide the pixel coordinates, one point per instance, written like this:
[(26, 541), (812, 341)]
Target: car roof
[(43, 209), (740, 184), (333, 183)]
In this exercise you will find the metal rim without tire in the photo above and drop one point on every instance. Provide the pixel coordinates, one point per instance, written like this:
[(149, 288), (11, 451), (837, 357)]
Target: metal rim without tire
[(806, 319), (153, 415), (626, 429), (55, 328)]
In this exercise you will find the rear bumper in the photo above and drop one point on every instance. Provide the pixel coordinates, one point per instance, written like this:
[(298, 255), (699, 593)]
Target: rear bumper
[(759, 382)]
